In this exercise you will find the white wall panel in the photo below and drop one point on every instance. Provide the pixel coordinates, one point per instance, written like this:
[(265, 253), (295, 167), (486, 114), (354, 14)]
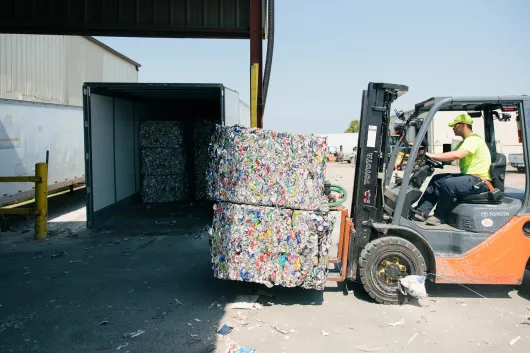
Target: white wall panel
[(101, 126), (124, 148)]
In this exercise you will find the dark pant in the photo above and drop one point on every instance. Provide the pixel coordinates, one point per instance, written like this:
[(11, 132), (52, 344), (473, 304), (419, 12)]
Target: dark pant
[(444, 188)]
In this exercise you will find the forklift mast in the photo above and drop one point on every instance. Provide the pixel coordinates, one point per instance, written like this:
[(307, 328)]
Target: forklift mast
[(372, 160)]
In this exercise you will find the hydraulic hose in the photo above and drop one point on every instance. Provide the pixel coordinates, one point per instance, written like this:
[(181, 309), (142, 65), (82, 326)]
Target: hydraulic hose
[(341, 190), (270, 51)]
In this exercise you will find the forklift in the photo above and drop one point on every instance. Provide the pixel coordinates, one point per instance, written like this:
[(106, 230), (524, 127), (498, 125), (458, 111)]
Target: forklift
[(487, 237)]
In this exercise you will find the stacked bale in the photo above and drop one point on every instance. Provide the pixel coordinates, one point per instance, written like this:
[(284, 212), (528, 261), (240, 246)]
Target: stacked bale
[(271, 223), (163, 161), (203, 130)]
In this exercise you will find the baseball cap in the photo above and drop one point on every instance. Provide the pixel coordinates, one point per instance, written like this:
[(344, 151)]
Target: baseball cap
[(461, 119)]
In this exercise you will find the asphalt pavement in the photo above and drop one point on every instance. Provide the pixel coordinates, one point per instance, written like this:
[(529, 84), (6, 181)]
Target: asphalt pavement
[(145, 284)]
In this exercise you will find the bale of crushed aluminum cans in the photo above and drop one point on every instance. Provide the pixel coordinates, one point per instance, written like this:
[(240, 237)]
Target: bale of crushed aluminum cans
[(203, 130), (164, 188), (271, 246), (265, 168), (163, 162), (159, 133)]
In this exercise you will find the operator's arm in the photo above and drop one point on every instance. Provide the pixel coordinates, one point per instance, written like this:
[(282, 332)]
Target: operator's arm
[(448, 156)]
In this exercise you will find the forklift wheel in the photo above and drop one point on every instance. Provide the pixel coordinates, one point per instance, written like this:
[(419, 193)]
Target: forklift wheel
[(383, 262)]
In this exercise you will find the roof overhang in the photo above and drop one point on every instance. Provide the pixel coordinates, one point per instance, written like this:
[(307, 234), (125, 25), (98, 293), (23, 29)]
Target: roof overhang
[(133, 18)]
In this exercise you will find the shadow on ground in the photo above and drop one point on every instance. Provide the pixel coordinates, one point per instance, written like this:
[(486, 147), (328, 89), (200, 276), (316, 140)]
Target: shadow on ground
[(148, 287)]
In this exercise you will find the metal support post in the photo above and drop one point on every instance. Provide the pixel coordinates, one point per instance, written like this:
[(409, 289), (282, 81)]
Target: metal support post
[(41, 201), (256, 63)]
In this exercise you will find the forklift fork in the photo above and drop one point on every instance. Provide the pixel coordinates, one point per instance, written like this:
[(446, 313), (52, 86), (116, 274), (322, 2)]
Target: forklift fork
[(341, 261)]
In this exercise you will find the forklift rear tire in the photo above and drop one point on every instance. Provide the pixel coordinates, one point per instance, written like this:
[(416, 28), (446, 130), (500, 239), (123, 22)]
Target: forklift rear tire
[(381, 281)]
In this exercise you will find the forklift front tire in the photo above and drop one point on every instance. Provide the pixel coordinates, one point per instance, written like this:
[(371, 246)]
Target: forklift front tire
[(383, 261)]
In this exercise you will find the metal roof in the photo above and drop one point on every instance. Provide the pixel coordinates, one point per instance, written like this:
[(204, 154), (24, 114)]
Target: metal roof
[(136, 18), (109, 49)]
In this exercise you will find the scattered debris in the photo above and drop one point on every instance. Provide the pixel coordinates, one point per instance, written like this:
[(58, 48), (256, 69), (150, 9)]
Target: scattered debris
[(412, 338), (178, 302), (189, 324), (104, 322), (122, 346), (225, 330), (239, 349), (192, 335), (260, 321), (238, 316), (368, 348), (400, 322), (133, 334), (324, 333), (75, 261), (62, 253), (487, 343), (197, 320), (413, 286), (514, 341), (279, 329), (211, 305), (244, 302)]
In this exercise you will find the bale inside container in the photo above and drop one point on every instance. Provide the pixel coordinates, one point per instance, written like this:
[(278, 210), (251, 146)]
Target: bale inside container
[(147, 143)]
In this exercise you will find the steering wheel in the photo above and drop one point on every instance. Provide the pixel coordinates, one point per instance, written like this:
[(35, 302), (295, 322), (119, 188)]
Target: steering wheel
[(433, 163)]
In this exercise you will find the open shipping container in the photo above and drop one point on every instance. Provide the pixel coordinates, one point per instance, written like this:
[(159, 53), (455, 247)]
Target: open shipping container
[(113, 116)]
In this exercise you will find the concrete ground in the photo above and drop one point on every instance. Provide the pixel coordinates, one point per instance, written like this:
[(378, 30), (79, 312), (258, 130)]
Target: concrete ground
[(146, 285)]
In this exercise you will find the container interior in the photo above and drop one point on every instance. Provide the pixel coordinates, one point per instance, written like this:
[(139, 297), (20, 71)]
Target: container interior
[(116, 156)]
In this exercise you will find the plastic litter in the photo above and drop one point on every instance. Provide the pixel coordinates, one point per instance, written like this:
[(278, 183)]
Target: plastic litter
[(412, 338), (225, 330), (121, 346), (413, 286), (514, 341), (239, 349), (133, 334), (261, 167), (368, 347), (279, 330), (54, 256), (398, 323), (271, 246)]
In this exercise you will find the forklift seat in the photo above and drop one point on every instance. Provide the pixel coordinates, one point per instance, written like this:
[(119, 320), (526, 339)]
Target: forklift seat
[(495, 196)]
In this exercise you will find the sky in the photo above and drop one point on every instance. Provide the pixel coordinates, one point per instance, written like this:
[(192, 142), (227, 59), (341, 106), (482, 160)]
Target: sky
[(324, 56)]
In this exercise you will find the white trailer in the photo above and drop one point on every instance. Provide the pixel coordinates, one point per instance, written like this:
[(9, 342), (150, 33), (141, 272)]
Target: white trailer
[(348, 141), (27, 131)]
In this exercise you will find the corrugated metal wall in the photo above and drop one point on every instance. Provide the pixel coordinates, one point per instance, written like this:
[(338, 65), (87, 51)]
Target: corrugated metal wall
[(52, 69)]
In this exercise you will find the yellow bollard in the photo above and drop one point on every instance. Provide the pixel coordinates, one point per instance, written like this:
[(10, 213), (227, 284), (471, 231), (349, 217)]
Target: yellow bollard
[(41, 201)]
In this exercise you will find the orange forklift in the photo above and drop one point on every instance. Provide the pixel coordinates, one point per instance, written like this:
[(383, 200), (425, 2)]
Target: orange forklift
[(487, 237)]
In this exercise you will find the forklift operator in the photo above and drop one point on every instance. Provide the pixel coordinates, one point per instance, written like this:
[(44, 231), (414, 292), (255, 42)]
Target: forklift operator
[(474, 160)]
